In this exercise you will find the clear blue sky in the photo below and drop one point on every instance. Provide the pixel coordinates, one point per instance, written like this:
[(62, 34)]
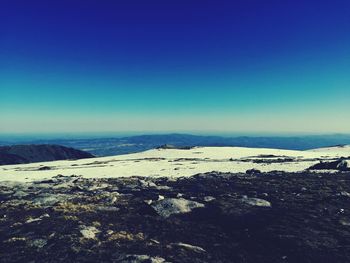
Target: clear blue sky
[(226, 66)]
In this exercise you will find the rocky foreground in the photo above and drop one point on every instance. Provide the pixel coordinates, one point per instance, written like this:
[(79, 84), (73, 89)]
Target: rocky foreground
[(255, 217)]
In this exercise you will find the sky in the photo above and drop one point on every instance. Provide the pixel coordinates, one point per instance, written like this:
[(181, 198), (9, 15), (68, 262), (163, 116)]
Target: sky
[(246, 66)]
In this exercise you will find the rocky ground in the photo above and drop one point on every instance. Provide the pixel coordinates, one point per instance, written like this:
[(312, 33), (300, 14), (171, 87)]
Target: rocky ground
[(254, 217)]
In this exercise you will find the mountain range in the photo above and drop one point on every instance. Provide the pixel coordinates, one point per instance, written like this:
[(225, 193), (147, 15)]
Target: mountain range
[(130, 144)]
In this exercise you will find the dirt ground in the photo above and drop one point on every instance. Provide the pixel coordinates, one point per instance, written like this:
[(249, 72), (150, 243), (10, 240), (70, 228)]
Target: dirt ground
[(213, 217)]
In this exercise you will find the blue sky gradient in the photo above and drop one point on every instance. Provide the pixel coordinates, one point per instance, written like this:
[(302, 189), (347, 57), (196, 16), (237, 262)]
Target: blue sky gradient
[(225, 66)]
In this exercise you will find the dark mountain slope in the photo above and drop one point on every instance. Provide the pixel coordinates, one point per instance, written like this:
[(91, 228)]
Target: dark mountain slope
[(38, 153)]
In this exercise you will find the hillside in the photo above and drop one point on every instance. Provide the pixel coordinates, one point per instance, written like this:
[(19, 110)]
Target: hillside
[(20, 154)]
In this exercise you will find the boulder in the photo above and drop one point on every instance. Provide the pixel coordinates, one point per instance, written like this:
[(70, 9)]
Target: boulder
[(170, 206)]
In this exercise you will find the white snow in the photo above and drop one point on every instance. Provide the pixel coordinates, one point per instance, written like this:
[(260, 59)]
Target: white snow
[(340, 150), (172, 163)]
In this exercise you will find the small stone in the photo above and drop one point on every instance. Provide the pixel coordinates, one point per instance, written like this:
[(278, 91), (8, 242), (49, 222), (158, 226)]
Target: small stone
[(98, 187), (63, 185), (89, 232), (141, 259), (113, 199), (20, 194), (147, 184), (17, 224), (189, 247), (15, 239), (253, 171), (123, 235), (31, 220), (344, 222), (209, 198), (109, 232), (38, 243), (107, 208), (148, 202), (50, 199), (256, 202), (345, 194), (154, 241)]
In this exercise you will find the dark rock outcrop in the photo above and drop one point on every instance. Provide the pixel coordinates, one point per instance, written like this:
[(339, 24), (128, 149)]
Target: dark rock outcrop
[(18, 154), (253, 171), (170, 146), (340, 165)]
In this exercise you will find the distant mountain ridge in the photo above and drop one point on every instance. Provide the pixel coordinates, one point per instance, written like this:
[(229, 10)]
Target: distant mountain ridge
[(131, 144), (17, 154)]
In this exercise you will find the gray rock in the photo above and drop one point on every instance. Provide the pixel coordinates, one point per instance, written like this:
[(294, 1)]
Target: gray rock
[(50, 199), (38, 243), (89, 232), (209, 198), (98, 187), (20, 194), (253, 171), (63, 185), (141, 259), (107, 208), (31, 220), (147, 184), (170, 206), (340, 165), (343, 166), (256, 202), (345, 194), (7, 192), (188, 247)]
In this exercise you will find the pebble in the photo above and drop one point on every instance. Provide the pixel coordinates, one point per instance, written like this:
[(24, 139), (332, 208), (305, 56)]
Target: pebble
[(38, 243), (209, 198), (141, 259), (89, 232), (196, 249), (345, 194), (256, 202)]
